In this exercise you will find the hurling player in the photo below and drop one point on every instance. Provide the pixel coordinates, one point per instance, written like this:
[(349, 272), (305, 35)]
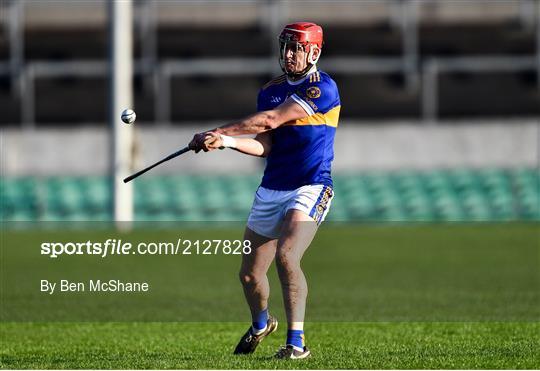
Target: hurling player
[(295, 125)]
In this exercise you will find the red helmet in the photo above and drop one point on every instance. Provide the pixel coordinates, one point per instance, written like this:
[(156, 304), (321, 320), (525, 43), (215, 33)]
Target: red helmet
[(307, 34)]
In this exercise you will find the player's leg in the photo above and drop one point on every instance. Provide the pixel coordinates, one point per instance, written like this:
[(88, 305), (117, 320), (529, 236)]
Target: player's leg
[(306, 210), (253, 273), (297, 232), (257, 290)]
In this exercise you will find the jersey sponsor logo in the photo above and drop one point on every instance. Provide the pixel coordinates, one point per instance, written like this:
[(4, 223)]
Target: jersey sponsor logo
[(313, 92), (275, 99), (313, 105)]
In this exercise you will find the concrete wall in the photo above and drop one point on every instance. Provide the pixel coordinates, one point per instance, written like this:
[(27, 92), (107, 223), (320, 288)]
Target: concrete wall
[(84, 151), (92, 13), (402, 145)]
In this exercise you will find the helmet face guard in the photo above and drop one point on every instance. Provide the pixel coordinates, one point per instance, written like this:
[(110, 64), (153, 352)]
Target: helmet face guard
[(296, 47), (301, 36)]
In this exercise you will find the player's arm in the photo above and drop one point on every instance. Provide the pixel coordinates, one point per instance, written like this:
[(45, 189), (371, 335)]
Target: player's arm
[(259, 146), (264, 120), (259, 122)]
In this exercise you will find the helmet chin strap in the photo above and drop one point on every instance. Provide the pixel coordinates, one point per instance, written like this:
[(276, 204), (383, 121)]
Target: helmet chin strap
[(299, 75)]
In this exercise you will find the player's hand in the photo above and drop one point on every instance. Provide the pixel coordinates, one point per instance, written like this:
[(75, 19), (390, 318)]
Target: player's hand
[(194, 145), (213, 141), (205, 141), (198, 144)]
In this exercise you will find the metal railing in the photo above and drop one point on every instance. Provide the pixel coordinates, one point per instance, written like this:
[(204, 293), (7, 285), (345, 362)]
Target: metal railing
[(164, 73), (434, 67), (157, 76)]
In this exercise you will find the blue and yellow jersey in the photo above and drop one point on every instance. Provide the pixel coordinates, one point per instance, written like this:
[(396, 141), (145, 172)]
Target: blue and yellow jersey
[(302, 150)]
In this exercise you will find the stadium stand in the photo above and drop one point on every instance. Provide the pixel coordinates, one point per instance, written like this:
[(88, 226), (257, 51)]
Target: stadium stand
[(370, 31), (451, 195), (53, 65)]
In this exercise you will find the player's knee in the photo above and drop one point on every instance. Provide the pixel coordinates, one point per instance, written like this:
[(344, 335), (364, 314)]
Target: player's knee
[(248, 278)]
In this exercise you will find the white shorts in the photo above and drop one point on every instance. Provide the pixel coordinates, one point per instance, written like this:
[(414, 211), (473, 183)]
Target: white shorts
[(270, 206)]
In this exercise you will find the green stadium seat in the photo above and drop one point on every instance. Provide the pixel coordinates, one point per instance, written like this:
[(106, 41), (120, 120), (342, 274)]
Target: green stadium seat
[(435, 180), (529, 205), (337, 214), (464, 179), (417, 205), (440, 195)]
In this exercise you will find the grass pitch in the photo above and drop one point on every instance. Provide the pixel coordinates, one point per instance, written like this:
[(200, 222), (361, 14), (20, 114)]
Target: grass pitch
[(209, 346), (381, 297)]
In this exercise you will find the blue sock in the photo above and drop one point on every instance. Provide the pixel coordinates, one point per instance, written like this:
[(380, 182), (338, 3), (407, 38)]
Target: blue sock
[(260, 320), (295, 338)]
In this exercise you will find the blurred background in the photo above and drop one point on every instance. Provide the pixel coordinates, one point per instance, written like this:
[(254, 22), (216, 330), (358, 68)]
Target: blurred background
[(439, 121)]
